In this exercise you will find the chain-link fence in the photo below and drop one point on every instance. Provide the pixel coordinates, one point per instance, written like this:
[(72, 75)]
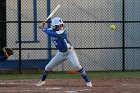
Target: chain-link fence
[(98, 48)]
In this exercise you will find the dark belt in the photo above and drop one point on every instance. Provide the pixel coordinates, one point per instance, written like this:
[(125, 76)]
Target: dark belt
[(65, 50)]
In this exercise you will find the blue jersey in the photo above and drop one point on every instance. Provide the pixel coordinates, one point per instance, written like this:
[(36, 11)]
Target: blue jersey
[(59, 39)]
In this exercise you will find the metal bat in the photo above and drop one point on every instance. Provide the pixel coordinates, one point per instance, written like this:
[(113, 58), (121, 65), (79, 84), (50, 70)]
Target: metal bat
[(52, 13)]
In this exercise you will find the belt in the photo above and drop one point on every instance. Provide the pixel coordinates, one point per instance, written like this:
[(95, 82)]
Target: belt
[(66, 49), (63, 51)]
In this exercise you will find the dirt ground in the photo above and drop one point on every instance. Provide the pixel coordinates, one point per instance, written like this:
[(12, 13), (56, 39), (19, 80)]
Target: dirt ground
[(119, 85)]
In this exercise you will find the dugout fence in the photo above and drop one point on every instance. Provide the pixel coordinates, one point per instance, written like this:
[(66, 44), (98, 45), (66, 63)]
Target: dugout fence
[(98, 48)]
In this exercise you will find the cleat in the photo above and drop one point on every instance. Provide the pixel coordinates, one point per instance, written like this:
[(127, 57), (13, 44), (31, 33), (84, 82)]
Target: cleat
[(41, 83), (7, 52), (89, 84)]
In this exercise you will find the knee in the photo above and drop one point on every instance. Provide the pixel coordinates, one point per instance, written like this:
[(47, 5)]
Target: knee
[(78, 67), (48, 68)]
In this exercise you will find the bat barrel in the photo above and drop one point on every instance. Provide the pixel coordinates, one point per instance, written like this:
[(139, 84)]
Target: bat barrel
[(53, 12)]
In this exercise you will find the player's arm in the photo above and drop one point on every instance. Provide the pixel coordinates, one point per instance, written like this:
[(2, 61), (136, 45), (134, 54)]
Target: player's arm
[(48, 32)]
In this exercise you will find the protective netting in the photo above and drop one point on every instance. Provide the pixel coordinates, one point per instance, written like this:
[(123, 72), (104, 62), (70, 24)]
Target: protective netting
[(98, 48)]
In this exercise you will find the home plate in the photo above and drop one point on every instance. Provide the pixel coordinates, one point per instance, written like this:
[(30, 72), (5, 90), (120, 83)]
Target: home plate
[(84, 89), (71, 91), (3, 83), (49, 88)]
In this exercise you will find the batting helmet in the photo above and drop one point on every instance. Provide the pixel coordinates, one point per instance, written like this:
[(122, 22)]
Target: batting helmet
[(56, 21)]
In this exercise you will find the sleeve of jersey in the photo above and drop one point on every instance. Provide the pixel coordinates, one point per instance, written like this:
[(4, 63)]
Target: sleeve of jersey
[(68, 41), (50, 33)]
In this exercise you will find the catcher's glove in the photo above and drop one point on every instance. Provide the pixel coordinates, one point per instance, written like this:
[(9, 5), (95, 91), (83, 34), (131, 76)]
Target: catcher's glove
[(8, 52)]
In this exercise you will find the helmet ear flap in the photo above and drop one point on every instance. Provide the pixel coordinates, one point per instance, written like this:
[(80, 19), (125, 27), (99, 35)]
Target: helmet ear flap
[(55, 27)]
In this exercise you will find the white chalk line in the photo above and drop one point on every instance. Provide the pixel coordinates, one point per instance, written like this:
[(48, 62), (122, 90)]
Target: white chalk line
[(35, 90), (31, 91), (125, 84), (42, 89), (24, 90), (130, 84), (77, 91), (33, 84), (17, 83)]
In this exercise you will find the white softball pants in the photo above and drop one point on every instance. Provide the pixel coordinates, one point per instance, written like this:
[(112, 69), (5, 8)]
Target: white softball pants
[(61, 57)]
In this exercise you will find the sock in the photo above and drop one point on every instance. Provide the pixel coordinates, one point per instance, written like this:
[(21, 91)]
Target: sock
[(83, 74), (44, 76)]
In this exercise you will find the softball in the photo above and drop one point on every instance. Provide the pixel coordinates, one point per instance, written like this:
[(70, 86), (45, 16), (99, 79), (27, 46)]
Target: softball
[(112, 27)]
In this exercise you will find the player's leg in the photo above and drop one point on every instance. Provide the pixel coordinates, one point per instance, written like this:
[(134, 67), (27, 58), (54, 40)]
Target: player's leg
[(57, 59), (72, 57), (53, 63)]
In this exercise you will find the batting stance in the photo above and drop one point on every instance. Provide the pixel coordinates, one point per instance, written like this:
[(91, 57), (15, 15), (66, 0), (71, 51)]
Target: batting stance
[(7, 53), (65, 50)]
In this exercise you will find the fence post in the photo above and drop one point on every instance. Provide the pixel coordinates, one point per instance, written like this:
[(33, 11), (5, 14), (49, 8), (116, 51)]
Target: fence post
[(19, 31), (123, 35), (49, 25), (2, 25), (35, 19)]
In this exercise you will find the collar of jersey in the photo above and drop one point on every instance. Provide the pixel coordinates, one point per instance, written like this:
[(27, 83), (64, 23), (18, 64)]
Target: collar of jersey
[(60, 31)]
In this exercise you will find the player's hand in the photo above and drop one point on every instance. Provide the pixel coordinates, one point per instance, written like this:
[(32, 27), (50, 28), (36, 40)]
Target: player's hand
[(42, 25), (72, 47)]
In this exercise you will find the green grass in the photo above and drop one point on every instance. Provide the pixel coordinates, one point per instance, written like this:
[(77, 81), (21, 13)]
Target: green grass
[(62, 75), (135, 74)]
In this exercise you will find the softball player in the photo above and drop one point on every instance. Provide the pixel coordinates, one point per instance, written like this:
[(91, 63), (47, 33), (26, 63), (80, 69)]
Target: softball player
[(65, 50), (7, 52)]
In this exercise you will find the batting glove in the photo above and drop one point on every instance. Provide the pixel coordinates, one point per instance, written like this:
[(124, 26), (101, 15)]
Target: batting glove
[(42, 25)]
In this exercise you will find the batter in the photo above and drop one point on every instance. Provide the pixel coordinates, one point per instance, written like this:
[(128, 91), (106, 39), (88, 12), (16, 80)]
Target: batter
[(65, 50)]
